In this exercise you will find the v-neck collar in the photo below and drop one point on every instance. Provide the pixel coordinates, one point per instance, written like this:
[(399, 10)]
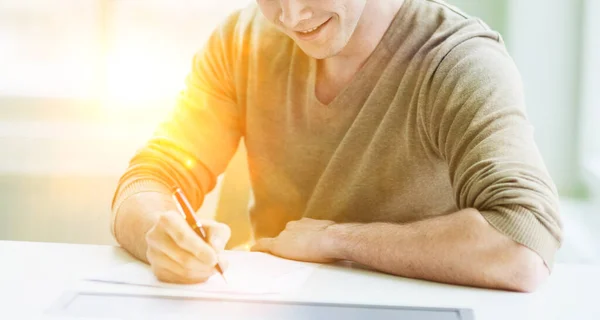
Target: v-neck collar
[(379, 57)]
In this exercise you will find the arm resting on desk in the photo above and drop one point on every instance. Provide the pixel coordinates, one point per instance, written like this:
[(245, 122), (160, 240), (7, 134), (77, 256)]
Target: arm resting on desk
[(460, 248)]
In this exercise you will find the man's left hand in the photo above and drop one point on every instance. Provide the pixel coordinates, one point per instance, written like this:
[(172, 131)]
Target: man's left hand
[(303, 240)]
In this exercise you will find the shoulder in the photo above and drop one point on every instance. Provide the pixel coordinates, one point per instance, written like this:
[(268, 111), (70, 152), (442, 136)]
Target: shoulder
[(433, 28), (478, 65), (458, 41), (436, 37), (452, 56), (450, 20)]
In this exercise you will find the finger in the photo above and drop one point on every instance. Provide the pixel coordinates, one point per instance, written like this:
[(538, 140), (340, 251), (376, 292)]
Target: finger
[(263, 245), (218, 234), (166, 275), (167, 247), (160, 260), (223, 262), (187, 239)]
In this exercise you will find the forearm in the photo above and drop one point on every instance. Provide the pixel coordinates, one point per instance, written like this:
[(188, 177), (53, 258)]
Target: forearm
[(460, 248), (136, 216)]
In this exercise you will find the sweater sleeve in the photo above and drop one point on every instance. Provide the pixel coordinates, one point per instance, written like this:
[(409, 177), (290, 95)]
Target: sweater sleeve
[(195, 143), (478, 125)]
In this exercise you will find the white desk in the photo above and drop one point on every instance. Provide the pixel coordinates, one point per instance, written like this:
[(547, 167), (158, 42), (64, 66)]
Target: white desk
[(34, 275)]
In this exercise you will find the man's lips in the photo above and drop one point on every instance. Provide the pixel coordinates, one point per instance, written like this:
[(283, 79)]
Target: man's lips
[(311, 31)]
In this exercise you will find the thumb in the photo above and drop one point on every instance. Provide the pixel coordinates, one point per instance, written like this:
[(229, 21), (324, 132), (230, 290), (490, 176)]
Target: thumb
[(263, 245)]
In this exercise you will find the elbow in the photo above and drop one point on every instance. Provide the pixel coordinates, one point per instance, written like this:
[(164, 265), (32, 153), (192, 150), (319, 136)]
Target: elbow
[(525, 272), (510, 265)]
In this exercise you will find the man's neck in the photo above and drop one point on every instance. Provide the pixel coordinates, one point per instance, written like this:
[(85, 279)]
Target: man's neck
[(373, 24)]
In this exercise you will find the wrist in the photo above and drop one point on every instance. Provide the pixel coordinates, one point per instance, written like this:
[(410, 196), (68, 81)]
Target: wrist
[(338, 241)]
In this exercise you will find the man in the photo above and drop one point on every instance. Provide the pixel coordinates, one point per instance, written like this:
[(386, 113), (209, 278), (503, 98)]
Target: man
[(391, 133)]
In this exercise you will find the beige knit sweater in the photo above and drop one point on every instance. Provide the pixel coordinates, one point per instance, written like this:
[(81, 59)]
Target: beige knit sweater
[(434, 122)]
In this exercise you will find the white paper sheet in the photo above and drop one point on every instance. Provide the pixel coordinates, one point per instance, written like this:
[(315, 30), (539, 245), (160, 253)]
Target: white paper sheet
[(248, 273)]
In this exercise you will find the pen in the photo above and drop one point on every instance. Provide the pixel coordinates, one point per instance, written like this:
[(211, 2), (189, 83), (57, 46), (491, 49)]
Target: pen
[(186, 210)]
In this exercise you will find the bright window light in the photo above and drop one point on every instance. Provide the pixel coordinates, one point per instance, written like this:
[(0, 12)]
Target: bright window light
[(124, 52)]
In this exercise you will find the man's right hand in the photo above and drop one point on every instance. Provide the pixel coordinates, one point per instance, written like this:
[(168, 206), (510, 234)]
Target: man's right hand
[(178, 255)]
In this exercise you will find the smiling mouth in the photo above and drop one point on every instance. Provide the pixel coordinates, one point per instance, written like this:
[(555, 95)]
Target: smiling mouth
[(313, 30), (310, 30)]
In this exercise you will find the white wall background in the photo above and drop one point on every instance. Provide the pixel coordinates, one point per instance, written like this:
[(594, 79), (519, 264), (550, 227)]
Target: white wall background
[(544, 38), (590, 97)]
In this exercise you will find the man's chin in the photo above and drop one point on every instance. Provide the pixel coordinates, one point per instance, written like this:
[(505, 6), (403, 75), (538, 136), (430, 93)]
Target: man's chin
[(321, 53)]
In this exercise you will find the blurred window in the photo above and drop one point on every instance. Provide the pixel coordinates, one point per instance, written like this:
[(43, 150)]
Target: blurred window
[(151, 43), (48, 48), (125, 50), (590, 115)]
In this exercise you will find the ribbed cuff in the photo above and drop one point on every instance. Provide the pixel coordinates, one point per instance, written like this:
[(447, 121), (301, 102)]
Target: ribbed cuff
[(522, 226), (131, 188)]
